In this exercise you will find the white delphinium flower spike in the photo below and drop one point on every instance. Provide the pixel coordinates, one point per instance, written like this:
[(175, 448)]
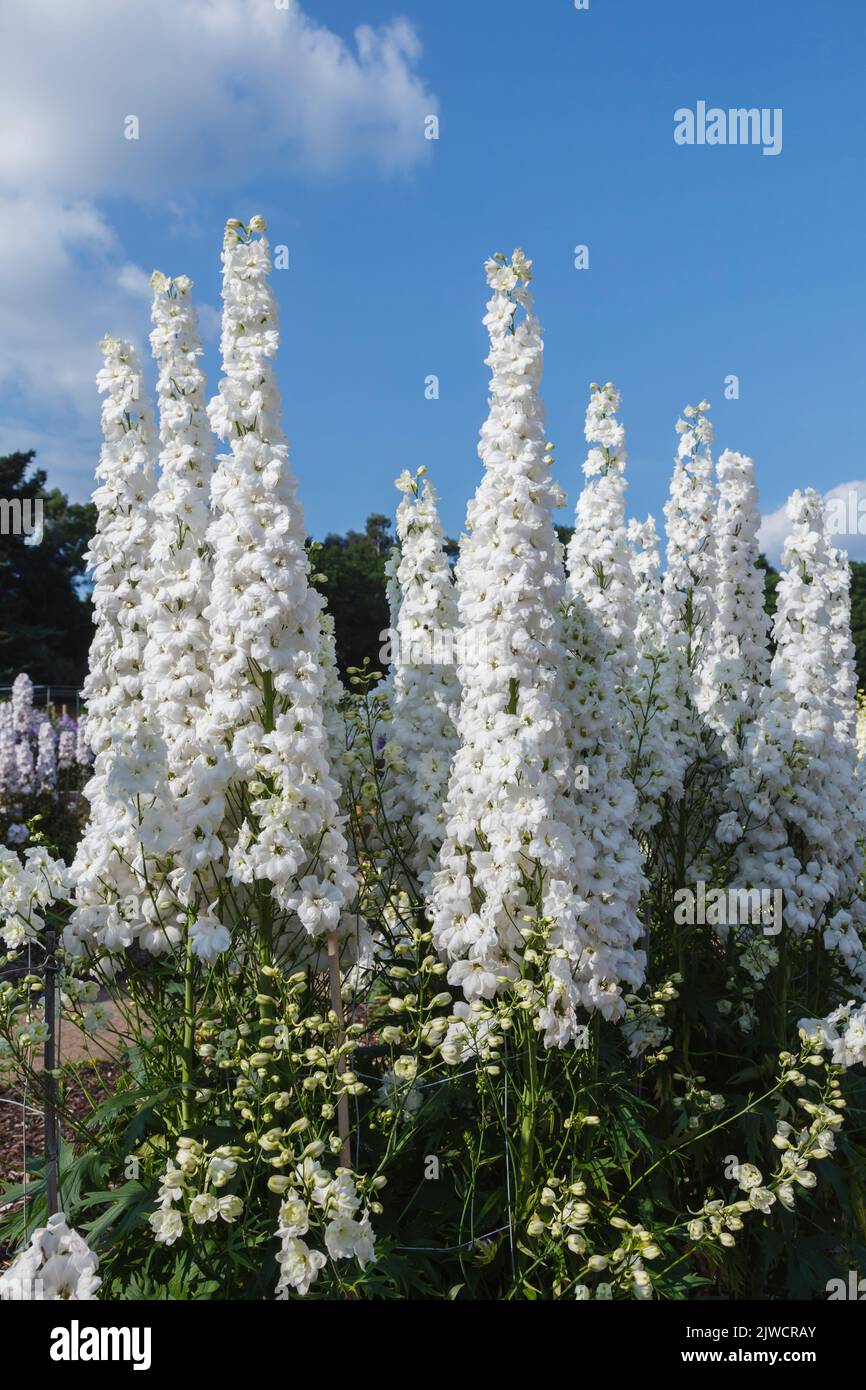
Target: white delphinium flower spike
[(8, 763), (424, 689), (514, 847), (177, 656), (801, 757), (108, 908), (46, 758), (613, 882), (264, 723), (22, 703), (598, 558), (57, 1265), (657, 761), (738, 659), (690, 579)]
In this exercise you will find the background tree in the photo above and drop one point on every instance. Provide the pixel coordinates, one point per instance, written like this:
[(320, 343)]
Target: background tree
[(45, 626), (351, 576)]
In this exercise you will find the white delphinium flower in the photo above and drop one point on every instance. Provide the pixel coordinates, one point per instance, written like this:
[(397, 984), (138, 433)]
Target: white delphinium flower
[(22, 703), (842, 647), (737, 662), (800, 757), (842, 1033), (860, 732), (514, 845), (657, 762), (8, 763), (263, 723), (46, 758), (612, 882), (424, 688), (83, 750), (690, 579), (117, 730), (598, 555), (58, 1264), (333, 1207), (25, 771), (119, 552), (187, 1179), (65, 749), (178, 647)]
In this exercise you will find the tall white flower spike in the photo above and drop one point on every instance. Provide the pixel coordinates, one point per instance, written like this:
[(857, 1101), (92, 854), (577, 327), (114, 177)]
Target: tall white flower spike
[(425, 692), (738, 658), (263, 729), (515, 854), (107, 885)]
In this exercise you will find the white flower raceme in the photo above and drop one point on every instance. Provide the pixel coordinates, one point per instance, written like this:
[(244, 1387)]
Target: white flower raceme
[(598, 554), (22, 703), (657, 761), (177, 657), (26, 889), (842, 1033), (83, 750), (737, 661), (860, 726), (189, 1179), (605, 572), (317, 1204), (690, 579), (66, 747), (117, 729), (57, 1265), (8, 763), (612, 882), (801, 760), (514, 846), (46, 757), (263, 724), (424, 688)]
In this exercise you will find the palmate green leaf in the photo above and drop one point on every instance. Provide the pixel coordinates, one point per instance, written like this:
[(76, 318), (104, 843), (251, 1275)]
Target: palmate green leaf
[(126, 1201)]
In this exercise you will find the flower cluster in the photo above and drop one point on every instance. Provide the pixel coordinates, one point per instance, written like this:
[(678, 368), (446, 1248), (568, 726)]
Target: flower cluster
[(43, 757), (516, 852), (104, 865), (177, 655), (737, 661), (314, 1201), (195, 1180), (798, 777), (654, 713), (644, 1025), (842, 1033), (26, 890), (263, 724), (423, 679), (57, 1264)]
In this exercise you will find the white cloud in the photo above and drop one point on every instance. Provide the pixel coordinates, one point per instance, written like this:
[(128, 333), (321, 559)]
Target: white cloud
[(62, 285), (222, 90), (846, 517), (225, 92), (135, 281)]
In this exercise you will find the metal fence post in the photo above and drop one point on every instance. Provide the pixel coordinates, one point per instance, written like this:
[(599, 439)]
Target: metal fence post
[(52, 1135)]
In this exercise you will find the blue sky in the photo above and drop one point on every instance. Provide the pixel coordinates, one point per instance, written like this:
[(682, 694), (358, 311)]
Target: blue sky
[(556, 129)]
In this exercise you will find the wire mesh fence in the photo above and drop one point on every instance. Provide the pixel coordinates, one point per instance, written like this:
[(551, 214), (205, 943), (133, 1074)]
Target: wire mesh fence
[(60, 696)]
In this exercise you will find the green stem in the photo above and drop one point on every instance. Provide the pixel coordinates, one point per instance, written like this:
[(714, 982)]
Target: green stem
[(187, 1056)]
